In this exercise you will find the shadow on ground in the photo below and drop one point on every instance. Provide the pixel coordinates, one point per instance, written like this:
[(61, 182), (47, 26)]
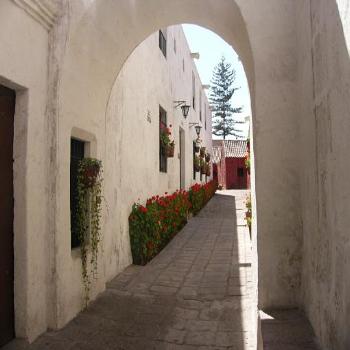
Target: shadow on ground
[(287, 330)]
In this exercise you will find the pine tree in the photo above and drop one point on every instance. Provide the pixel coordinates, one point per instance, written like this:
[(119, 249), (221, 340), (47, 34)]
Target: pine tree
[(224, 123)]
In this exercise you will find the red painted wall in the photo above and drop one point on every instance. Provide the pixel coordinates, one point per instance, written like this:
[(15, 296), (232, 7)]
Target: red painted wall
[(233, 181)]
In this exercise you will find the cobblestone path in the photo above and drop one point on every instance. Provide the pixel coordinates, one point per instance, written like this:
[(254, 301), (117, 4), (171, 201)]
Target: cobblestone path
[(196, 294)]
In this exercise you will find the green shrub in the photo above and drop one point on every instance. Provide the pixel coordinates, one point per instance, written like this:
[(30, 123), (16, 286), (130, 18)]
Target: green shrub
[(152, 226)]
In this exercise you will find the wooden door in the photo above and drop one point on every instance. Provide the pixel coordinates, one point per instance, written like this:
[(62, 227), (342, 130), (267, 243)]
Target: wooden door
[(241, 180), (7, 110)]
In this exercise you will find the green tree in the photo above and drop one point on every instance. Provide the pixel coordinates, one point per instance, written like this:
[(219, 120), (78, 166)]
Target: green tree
[(224, 123)]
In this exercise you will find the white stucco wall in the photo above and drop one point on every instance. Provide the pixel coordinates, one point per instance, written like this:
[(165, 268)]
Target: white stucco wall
[(272, 35), (324, 78), (24, 68)]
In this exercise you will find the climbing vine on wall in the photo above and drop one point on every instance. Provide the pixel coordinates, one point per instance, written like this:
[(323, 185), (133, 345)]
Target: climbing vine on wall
[(88, 218)]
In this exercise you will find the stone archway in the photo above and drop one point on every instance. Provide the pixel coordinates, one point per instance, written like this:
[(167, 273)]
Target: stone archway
[(100, 35)]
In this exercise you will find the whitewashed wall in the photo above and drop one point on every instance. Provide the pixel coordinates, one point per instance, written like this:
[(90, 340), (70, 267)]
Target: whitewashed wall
[(324, 80), (24, 53)]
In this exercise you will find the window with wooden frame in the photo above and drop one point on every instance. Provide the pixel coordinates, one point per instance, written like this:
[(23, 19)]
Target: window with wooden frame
[(163, 160), (77, 153), (162, 41)]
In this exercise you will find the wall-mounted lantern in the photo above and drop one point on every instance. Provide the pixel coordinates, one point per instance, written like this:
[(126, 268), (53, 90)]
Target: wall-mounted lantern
[(197, 127), (184, 107)]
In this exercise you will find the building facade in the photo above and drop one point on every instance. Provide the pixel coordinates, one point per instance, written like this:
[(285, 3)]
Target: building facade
[(229, 166)]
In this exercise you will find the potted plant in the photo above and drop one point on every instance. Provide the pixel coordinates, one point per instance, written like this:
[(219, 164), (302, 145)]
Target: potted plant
[(207, 157), (247, 162), (196, 163), (168, 146), (248, 214), (203, 166), (89, 171), (88, 216), (197, 146), (170, 149), (208, 172), (202, 152)]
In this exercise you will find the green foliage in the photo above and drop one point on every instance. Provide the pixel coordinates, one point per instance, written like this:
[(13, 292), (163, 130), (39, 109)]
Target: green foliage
[(199, 195), (224, 124), (248, 214), (207, 168), (202, 165), (151, 227), (165, 134), (88, 217), (247, 162), (196, 162), (154, 225)]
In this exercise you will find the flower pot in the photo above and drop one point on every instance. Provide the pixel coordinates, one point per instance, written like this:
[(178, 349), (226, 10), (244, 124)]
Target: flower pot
[(196, 149), (203, 169), (170, 150), (248, 214), (208, 172), (197, 167), (89, 175), (207, 157), (202, 152)]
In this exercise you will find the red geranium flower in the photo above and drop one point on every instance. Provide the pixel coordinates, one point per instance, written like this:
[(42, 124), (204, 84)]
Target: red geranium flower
[(143, 209)]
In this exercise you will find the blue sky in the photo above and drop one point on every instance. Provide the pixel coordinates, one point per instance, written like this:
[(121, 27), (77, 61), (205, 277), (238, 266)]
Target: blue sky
[(211, 47)]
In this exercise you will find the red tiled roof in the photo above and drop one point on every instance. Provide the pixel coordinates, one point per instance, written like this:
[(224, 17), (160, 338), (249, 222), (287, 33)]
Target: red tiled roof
[(235, 148), (229, 149)]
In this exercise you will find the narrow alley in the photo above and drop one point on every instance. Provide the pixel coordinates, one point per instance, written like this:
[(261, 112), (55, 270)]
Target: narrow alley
[(195, 294)]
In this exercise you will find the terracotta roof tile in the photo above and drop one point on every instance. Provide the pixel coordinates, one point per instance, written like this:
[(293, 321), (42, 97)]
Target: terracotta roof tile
[(229, 149), (235, 148)]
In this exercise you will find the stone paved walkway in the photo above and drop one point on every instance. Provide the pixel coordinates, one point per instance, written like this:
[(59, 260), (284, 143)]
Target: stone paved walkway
[(196, 294)]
